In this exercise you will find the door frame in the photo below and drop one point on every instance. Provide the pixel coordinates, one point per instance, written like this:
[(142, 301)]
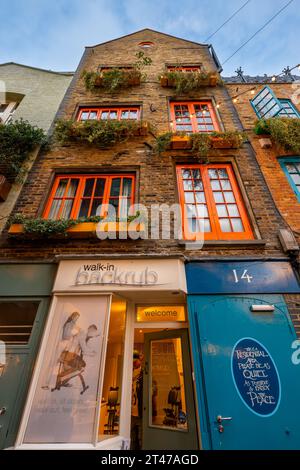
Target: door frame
[(197, 358), (32, 349), (191, 408)]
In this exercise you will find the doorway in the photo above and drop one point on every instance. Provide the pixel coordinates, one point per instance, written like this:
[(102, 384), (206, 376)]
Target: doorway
[(163, 407)]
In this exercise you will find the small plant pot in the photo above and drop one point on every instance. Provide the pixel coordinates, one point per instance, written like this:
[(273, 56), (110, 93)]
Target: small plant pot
[(98, 82), (134, 81), (171, 82), (213, 80), (180, 143), (163, 81)]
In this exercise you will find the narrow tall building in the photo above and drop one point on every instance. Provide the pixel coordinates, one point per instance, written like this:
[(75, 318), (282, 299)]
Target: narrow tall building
[(145, 247)]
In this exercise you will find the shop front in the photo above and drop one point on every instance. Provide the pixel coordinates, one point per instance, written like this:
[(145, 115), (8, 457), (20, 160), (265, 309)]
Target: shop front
[(114, 368), (245, 353), (25, 292)]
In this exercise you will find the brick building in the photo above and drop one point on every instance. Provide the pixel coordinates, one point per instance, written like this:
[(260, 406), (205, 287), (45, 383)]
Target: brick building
[(170, 306)]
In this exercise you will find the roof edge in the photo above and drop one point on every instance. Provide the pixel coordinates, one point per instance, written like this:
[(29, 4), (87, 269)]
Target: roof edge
[(147, 29), (38, 68)]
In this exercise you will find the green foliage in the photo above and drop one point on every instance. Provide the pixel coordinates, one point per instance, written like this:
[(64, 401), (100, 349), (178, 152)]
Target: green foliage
[(163, 142), (237, 138), (201, 144), (284, 131), (17, 140), (103, 134), (115, 78), (185, 82)]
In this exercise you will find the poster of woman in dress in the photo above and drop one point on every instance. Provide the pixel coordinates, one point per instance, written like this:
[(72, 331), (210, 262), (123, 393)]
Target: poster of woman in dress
[(64, 404)]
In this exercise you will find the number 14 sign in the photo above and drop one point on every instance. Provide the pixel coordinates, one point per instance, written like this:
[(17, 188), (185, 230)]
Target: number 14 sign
[(239, 277)]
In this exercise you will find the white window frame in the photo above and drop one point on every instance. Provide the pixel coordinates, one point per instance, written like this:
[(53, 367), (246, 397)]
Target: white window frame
[(5, 116)]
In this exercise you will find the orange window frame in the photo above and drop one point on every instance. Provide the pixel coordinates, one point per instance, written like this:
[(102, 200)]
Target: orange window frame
[(216, 232), (119, 111), (78, 197), (192, 114)]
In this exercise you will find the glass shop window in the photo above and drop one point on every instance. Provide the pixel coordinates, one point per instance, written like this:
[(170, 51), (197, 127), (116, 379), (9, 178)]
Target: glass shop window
[(16, 321)]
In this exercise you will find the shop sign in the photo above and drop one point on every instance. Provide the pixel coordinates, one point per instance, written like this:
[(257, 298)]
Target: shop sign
[(255, 377), (243, 277), (161, 313), (120, 275)]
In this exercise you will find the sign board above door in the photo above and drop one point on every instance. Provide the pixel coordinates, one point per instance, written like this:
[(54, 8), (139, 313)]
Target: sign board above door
[(241, 277)]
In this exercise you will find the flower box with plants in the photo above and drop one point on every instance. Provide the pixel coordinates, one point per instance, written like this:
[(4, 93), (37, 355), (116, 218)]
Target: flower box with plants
[(285, 132), (184, 82), (103, 134), (200, 143), (88, 227), (114, 79)]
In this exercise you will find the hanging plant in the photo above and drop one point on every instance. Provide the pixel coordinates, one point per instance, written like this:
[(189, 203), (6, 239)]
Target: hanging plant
[(17, 140), (284, 131), (114, 79), (103, 134)]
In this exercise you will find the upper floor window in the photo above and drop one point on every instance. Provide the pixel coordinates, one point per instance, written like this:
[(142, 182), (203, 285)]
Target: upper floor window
[(291, 167), (75, 196), (146, 44), (6, 112), (196, 116), (211, 203), (104, 113), (267, 105)]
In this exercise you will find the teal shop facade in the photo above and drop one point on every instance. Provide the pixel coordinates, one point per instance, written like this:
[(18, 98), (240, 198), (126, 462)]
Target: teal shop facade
[(245, 354)]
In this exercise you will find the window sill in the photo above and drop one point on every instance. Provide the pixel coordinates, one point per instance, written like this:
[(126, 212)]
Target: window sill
[(184, 143), (84, 230), (251, 244)]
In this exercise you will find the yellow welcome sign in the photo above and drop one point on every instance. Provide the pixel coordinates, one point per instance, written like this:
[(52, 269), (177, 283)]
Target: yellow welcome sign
[(159, 313)]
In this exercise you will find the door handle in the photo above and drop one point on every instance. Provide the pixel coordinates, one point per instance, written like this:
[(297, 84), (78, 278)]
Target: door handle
[(2, 411), (220, 419)]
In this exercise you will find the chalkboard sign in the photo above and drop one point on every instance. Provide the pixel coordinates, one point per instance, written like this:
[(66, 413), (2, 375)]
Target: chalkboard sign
[(255, 377)]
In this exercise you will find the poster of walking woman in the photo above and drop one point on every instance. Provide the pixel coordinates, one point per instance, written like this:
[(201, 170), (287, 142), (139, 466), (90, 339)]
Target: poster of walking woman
[(65, 400)]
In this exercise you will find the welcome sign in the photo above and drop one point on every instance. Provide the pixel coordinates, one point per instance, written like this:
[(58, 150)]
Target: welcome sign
[(161, 313)]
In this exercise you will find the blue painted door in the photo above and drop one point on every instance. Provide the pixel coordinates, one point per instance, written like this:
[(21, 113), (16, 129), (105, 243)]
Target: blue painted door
[(244, 372)]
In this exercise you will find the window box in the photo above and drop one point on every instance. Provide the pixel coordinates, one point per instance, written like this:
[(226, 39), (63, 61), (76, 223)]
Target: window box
[(192, 80), (5, 187), (180, 143), (224, 143), (84, 230)]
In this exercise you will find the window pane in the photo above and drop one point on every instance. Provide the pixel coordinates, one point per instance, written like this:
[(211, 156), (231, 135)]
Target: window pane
[(89, 186), (61, 188), (229, 196), (202, 210), (186, 174), (198, 185), (233, 210), (225, 184), (127, 187), (189, 197), (237, 225), (115, 187), (191, 210), (225, 225), (218, 196), (84, 116), (222, 212), (200, 197), (204, 226), (96, 207), (296, 178), (193, 225), (168, 409), (67, 208), (188, 185), (16, 321), (104, 115), (84, 208), (93, 115), (100, 185), (213, 174), (215, 185)]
